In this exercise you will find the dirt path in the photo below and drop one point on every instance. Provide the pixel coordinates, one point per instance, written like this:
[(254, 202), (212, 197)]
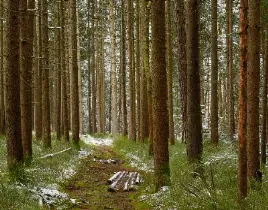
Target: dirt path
[(89, 185)]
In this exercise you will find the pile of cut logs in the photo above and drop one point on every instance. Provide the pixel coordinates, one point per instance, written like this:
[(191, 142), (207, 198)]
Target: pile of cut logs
[(124, 181)]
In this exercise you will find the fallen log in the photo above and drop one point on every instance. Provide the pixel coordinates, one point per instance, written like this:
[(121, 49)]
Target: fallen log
[(114, 177), (124, 181)]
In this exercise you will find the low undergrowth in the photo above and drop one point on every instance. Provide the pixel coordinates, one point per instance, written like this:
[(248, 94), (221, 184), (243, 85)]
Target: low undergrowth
[(42, 175), (215, 188)]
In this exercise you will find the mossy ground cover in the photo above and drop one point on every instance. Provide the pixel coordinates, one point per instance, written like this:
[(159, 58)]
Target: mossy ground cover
[(89, 184), (46, 173), (215, 188)]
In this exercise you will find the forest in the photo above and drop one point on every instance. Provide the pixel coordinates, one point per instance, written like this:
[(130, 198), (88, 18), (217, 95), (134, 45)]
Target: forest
[(133, 104)]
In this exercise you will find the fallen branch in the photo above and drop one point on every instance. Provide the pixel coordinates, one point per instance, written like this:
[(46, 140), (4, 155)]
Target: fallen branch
[(54, 154)]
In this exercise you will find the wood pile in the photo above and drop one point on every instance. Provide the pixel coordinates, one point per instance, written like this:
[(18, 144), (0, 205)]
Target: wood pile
[(124, 181)]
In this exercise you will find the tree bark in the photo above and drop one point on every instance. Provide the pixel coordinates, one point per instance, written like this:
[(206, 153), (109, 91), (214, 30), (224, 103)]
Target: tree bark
[(194, 135), (74, 73), (46, 135), (138, 69), (214, 118), (170, 74), (264, 104), (132, 118), (13, 115), (113, 71), (229, 40), (123, 70), (2, 72), (159, 96), (38, 80), (65, 116), (27, 21), (59, 74), (242, 104), (182, 61), (253, 89)]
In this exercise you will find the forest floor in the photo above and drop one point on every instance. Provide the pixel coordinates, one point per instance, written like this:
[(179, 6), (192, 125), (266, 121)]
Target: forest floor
[(89, 184)]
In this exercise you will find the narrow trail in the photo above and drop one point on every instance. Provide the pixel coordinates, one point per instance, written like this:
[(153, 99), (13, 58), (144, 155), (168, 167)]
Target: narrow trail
[(89, 185)]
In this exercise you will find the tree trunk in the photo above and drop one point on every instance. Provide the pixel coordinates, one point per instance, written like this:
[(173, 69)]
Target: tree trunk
[(13, 117), (93, 80), (170, 74), (182, 61), (89, 66), (138, 67), (38, 80), (65, 117), (113, 71), (242, 104), (2, 94), (132, 118), (231, 121), (253, 73), (194, 135), (59, 74), (27, 21), (264, 104), (214, 75), (46, 136), (74, 74), (159, 95), (123, 70)]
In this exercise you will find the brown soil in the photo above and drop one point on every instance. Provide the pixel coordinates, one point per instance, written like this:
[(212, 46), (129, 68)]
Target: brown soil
[(89, 185)]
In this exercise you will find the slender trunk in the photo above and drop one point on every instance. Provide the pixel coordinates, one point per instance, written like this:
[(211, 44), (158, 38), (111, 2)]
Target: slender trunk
[(170, 74), (38, 81), (132, 120), (93, 80), (89, 66), (253, 89), (242, 104), (182, 61), (74, 73), (2, 104), (46, 135), (230, 98), (113, 71), (264, 105), (123, 70), (59, 75), (65, 116), (214, 75), (137, 73)]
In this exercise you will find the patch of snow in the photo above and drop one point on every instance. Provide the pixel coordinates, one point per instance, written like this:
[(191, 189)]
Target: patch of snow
[(220, 157), (137, 162), (97, 141), (67, 173), (83, 154)]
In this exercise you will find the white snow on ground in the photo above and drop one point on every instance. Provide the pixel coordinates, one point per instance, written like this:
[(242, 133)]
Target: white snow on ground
[(96, 141), (137, 162)]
